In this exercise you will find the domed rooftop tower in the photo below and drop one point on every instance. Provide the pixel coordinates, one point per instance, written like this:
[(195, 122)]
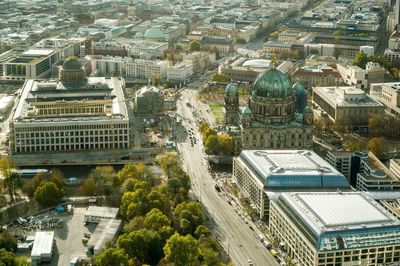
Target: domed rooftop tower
[(301, 96), (72, 73), (272, 99), (231, 104), (272, 84)]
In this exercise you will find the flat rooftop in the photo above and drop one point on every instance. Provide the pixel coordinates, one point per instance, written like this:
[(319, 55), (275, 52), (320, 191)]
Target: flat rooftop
[(105, 231), (106, 212), (292, 169), (326, 211), (332, 96), (43, 244), (340, 220), (94, 88), (38, 52)]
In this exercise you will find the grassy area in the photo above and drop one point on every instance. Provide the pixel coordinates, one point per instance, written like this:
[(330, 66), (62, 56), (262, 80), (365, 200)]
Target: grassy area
[(218, 112)]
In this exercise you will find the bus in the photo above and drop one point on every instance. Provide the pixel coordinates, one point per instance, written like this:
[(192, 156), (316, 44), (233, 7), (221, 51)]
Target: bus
[(30, 172)]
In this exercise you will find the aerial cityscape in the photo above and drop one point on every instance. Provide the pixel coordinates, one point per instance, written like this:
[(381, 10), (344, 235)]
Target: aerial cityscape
[(200, 133)]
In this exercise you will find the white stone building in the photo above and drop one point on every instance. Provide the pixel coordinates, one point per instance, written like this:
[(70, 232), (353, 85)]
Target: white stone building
[(335, 228), (74, 113), (260, 172)]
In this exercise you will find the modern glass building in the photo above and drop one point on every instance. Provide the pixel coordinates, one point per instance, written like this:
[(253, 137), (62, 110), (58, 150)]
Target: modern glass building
[(261, 173), (335, 228)]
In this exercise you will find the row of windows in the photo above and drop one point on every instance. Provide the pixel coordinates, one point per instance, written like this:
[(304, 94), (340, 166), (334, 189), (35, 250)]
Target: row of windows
[(72, 140), (71, 133), (71, 111), (71, 147), (70, 127)]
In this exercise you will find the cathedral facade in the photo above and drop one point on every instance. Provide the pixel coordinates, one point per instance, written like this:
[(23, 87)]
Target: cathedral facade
[(276, 116)]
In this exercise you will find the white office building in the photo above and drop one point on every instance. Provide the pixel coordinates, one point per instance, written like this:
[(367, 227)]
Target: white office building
[(43, 246), (106, 232), (94, 214), (259, 172), (147, 69), (335, 228)]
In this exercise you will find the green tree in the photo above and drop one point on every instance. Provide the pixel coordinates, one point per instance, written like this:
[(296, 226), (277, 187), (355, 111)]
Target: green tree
[(209, 250), (48, 194), (30, 187), (181, 250), (158, 200), (7, 241), (88, 186), (194, 46), (112, 256), (22, 261), (274, 35), (395, 73), (144, 245), (219, 77), (184, 226), (361, 60), (57, 177), (7, 258), (155, 219), (208, 132), (128, 185), (377, 147), (374, 126), (225, 144), (170, 163), (191, 211), (212, 145), (135, 171), (202, 230), (11, 179), (203, 127), (135, 203)]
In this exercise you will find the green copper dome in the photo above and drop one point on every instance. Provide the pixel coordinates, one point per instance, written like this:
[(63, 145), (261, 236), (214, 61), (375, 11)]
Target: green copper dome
[(272, 84), (154, 33), (72, 64), (298, 88), (231, 89)]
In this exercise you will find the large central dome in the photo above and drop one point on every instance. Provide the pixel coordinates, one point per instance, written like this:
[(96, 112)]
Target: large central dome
[(272, 84)]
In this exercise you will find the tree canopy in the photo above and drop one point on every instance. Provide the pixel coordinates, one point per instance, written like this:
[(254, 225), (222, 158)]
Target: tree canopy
[(194, 46), (48, 194), (181, 250), (112, 256)]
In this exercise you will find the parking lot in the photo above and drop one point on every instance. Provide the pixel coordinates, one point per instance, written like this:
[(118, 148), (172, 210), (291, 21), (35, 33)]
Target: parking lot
[(69, 230)]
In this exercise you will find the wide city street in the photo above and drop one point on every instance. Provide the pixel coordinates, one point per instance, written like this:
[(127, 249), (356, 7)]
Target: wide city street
[(239, 241)]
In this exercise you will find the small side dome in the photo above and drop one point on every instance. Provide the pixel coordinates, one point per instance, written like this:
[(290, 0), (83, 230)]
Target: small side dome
[(298, 88), (139, 34), (246, 111), (231, 90), (72, 64)]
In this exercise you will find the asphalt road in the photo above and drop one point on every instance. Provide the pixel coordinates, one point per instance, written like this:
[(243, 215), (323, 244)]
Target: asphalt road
[(238, 240)]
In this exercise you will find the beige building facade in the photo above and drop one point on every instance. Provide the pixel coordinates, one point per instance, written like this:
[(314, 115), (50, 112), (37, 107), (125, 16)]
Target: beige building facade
[(70, 114), (335, 228)]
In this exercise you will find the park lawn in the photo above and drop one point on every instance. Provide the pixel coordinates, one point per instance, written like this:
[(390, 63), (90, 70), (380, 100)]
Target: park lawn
[(218, 112)]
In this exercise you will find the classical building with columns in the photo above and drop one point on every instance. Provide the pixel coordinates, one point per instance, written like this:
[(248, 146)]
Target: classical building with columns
[(276, 116), (73, 113)]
